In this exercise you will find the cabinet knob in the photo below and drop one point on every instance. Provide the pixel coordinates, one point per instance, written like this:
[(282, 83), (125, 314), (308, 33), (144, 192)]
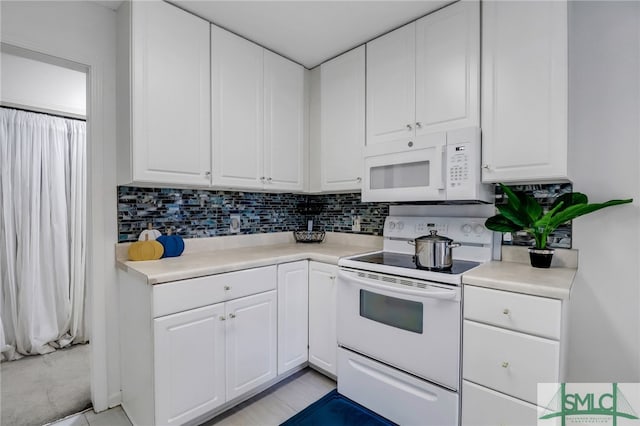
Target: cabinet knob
[(207, 173), (333, 277), (409, 128), (232, 315), (226, 287), (506, 311), (418, 125), (504, 364), (358, 179), (222, 318), (486, 167), (410, 144), (262, 179), (269, 180)]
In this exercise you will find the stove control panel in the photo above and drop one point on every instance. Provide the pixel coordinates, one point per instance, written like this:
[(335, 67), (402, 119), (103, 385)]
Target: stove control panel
[(460, 229)]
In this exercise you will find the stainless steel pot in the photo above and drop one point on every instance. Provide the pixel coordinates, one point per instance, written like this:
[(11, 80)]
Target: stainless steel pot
[(433, 252)]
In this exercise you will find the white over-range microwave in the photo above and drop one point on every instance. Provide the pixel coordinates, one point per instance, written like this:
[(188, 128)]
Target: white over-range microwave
[(443, 166)]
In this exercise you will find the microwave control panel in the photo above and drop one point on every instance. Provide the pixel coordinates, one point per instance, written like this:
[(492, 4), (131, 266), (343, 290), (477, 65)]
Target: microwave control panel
[(462, 168)]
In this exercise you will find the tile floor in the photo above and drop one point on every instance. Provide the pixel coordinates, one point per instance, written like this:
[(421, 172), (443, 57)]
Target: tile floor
[(269, 408)]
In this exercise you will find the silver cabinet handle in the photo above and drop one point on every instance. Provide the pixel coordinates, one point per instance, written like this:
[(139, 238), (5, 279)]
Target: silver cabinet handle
[(232, 315), (504, 364), (226, 287), (207, 173), (410, 144), (269, 180), (506, 311), (486, 166), (409, 128), (262, 178), (418, 125), (358, 179), (222, 318)]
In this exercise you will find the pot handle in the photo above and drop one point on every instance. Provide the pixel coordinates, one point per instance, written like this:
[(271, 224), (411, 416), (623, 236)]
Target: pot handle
[(453, 245)]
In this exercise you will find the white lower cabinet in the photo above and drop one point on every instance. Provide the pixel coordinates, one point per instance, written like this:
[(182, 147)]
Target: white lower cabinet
[(207, 356), (484, 407), (511, 342), (293, 315), (251, 341), (323, 341), (189, 364)]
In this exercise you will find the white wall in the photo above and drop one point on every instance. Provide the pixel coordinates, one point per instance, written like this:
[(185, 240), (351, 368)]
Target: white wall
[(604, 155), (84, 32), (41, 86)]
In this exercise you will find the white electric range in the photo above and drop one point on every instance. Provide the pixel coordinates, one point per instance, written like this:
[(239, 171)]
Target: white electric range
[(399, 326)]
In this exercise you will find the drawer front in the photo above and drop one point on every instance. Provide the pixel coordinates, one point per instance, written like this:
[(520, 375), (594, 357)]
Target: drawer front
[(178, 296), (515, 311), (509, 362), (485, 407)]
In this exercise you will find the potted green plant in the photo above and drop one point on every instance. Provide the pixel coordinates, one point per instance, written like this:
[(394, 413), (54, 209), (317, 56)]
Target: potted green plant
[(522, 212)]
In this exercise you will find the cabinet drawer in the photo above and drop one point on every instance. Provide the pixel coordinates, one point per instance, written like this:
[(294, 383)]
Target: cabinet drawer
[(485, 407), (182, 295), (515, 311), (509, 362)]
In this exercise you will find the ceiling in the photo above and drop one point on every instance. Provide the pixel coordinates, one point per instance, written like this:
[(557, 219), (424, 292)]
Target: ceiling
[(310, 32)]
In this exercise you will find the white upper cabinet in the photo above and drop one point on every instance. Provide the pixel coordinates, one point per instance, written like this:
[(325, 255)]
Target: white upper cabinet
[(237, 110), (524, 91), (284, 123), (258, 116), (448, 68), (423, 78), (164, 87), (391, 88), (342, 111)]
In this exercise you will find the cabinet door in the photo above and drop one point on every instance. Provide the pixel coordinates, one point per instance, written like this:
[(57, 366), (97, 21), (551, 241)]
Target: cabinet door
[(524, 91), (251, 329), (284, 123), (170, 95), (189, 364), (484, 407), (391, 91), (293, 315), (237, 110), (323, 342), (448, 68), (342, 121)]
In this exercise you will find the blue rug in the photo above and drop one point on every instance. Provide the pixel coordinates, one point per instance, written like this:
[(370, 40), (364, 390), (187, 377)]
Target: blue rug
[(334, 409)]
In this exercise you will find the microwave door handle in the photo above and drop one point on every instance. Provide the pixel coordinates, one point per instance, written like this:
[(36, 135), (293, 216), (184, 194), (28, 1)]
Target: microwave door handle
[(444, 295), (444, 166)]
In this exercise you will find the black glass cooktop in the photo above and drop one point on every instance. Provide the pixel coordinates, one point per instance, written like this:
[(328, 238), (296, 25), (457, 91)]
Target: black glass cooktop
[(401, 260)]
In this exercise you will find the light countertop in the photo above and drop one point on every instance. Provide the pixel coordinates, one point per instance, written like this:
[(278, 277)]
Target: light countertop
[(515, 274), (214, 259)]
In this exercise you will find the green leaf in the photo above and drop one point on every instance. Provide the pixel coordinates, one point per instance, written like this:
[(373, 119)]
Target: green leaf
[(512, 199), (499, 223), (517, 217), (544, 221), (533, 209), (577, 210), (569, 199)]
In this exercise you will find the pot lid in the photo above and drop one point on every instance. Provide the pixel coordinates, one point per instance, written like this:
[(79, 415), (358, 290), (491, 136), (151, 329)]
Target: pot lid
[(433, 236)]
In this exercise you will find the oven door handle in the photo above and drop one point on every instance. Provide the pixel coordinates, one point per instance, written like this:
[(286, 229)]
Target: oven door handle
[(433, 294)]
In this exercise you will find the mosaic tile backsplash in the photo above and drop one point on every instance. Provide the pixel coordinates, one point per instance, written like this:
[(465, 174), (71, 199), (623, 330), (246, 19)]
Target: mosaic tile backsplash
[(193, 213), (545, 194)]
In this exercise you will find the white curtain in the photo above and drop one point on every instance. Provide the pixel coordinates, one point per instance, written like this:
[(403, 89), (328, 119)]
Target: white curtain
[(42, 233)]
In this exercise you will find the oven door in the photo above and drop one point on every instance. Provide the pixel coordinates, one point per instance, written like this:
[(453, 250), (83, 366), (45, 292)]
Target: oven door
[(409, 324)]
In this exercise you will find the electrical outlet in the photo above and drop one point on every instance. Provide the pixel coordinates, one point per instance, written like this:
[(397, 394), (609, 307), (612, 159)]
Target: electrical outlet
[(234, 226), (355, 225)]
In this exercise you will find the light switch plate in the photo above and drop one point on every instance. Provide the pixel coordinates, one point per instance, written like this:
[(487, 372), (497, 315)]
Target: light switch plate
[(234, 226)]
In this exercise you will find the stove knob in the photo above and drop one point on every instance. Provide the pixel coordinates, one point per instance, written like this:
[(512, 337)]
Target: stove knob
[(392, 225), (478, 229), (466, 228), (400, 226)]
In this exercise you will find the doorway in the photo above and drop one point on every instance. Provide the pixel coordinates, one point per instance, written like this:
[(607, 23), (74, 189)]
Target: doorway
[(44, 332)]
